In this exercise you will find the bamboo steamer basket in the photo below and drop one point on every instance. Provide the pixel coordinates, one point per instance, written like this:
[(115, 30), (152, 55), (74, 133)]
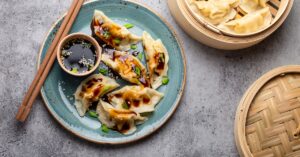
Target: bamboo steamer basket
[(267, 122), (209, 36)]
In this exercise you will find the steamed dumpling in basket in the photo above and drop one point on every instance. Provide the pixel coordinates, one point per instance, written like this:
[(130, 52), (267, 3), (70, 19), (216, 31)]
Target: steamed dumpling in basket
[(250, 6), (215, 11), (250, 23)]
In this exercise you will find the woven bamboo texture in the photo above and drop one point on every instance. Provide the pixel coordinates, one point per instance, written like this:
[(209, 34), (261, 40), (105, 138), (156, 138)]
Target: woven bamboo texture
[(273, 117), (267, 122)]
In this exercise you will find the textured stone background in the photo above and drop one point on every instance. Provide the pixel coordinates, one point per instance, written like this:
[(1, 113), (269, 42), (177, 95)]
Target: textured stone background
[(203, 123)]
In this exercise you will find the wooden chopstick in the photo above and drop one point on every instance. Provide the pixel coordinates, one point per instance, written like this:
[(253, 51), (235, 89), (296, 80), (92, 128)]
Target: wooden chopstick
[(48, 61)]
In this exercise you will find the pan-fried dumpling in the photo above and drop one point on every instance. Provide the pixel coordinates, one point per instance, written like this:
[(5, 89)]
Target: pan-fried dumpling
[(250, 23), (111, 33), (122, 120), (127, 66), (157, 59), (215, 11), (252, 5), (91, 89), (135, 98)]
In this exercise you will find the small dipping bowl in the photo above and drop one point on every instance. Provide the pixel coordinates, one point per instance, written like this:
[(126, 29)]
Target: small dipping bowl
[(83, 37)]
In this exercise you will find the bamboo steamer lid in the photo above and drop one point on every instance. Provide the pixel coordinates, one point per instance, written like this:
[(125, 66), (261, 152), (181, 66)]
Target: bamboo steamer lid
[(206, 35), (267, 120)]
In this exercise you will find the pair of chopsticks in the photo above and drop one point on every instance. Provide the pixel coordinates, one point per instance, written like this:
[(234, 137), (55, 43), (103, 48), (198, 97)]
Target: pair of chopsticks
[(48, 61)]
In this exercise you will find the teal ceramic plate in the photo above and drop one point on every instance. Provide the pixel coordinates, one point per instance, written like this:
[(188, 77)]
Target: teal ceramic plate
[(59, 87)]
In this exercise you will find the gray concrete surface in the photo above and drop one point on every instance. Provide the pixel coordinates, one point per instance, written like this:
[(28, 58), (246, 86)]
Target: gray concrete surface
[(203, 123)]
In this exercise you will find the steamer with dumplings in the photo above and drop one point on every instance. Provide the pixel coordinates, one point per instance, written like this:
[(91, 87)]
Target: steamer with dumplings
[(211, 35)]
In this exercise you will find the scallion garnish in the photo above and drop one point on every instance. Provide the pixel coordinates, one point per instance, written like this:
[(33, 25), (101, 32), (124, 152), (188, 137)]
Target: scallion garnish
[(106, 89), (117, 41), (104, 128), (137, 70), (140, 56), (162, 57), (106, 34), (133, 47), (93, 114), (103, 71), (128, 25), (74, 70), (125, 106), (165, 80), (90, 66)]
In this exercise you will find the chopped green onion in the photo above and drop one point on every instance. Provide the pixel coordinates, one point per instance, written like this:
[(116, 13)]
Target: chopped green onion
[(117, 41), (165, 80), (162, 57), (74, 70), (125, 106), (103, 71), (90, 66), (140, 56), (93, 114), (128, 25), (137, 70), (104, 128), (106, 89), (133, 47), (106, 34)]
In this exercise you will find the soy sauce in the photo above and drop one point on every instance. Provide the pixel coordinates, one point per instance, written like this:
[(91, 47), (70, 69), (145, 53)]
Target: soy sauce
[(79, 55)]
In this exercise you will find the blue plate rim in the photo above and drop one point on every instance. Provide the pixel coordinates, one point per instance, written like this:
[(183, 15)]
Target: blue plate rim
[(135, 138)]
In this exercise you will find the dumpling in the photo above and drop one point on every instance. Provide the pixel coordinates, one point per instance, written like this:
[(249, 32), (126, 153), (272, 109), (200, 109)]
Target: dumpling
[(111, 33), (215, 11), (157, 59), (250, 23), (252, 5), (127, 66), (91, 89), (135, 98), (122, 120)]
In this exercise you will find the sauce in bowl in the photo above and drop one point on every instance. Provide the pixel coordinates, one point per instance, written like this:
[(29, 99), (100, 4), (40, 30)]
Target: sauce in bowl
[(79, 54)]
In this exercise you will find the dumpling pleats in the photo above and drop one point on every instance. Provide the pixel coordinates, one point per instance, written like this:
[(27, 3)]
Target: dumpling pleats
[(127, 66), (250, 6), (215, 11), (250, 23), (157, 59), (112, 33), (122, 120), (135, 98), (91, 89)]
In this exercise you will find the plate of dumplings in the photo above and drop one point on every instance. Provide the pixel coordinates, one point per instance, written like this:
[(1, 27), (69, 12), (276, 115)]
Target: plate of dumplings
[(137, 86)]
